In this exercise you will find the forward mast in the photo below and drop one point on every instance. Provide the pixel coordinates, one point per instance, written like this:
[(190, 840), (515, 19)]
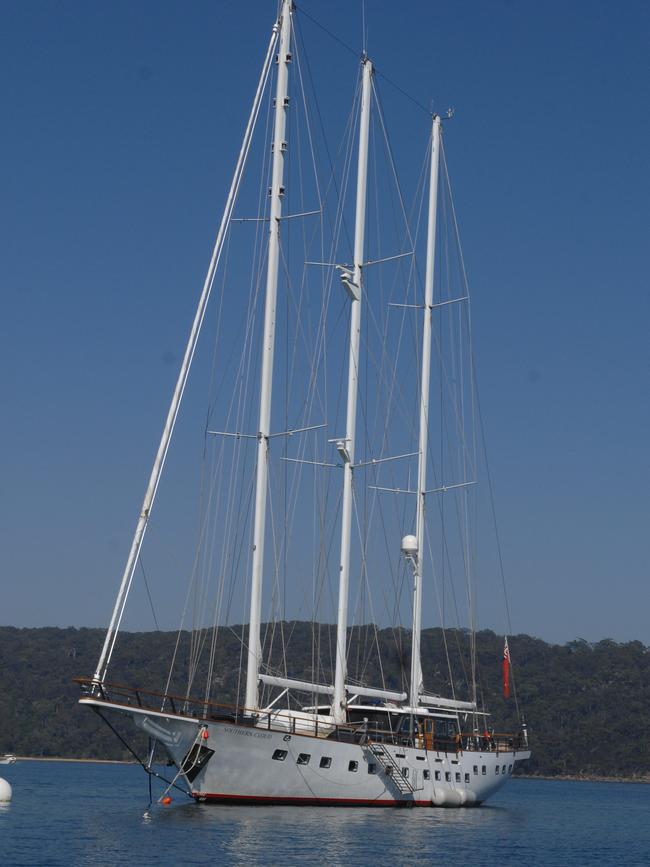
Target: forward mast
[(268, 350)]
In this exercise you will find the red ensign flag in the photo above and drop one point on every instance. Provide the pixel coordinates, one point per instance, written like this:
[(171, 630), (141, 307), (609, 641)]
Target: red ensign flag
[(506, 670)]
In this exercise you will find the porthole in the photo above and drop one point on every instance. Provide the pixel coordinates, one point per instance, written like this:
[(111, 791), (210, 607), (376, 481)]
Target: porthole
[(476, 769), (280, 755), (458, 776), (326, 762), (467, 778), (437, 775), (372, 769), (483, 770), (426, 775), (353, 766), (448, 776), (303, 759)]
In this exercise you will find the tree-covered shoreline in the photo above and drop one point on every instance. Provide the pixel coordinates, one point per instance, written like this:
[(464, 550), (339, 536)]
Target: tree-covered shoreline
[(587, 706)]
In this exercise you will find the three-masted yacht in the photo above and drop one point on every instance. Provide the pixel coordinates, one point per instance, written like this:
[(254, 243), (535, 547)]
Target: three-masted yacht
[(342, 742)]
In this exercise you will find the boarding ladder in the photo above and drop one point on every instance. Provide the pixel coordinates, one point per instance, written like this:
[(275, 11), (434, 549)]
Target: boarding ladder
[(392, 769)]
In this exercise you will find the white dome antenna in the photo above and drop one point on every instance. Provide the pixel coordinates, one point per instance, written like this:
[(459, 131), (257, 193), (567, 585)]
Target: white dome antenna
[(410, 547)]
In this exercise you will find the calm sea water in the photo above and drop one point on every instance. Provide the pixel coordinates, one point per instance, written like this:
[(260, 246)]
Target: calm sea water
[(88, 814)]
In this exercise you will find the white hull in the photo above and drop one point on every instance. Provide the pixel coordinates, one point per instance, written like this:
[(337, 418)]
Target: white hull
[(7, 760), (242, 768)]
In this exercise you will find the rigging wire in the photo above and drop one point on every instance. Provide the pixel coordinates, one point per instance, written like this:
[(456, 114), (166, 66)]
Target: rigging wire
[(146, 584), (239, 409), (481, 425), (355, 53)]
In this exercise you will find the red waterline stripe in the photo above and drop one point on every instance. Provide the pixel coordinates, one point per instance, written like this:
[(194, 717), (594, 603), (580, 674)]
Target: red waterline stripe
[(307, 802)]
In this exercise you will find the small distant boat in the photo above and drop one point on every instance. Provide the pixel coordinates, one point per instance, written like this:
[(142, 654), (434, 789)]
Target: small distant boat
[(8, 759)]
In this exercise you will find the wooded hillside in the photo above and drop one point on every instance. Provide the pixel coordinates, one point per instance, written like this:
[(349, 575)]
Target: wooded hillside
[(587, 705)]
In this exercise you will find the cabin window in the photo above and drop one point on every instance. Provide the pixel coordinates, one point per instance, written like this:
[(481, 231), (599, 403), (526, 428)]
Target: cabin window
[(400, 755), (437, 775), (426, 775), (280, 755), (326, 762), (483, 770), (503, 769), (405, 773), (420, 758), (445, 729), (458, 776), (509, 769), (476, 769), (303, 759), (353, 766), (448, 776), (372, 769), (496, 770)]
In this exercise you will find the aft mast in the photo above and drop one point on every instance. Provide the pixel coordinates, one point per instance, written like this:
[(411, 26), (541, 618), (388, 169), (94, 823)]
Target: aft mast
[(345, 446), (416, 661), (266, 385)]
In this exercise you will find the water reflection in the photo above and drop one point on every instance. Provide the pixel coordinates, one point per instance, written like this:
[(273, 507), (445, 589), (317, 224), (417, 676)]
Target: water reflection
[(85, 815), (277, 835)]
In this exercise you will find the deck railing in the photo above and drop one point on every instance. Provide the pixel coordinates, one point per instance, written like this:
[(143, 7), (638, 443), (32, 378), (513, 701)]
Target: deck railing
[(297, 723)]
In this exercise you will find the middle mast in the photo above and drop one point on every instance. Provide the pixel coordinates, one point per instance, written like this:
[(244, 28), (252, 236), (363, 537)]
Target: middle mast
[(354, 283)]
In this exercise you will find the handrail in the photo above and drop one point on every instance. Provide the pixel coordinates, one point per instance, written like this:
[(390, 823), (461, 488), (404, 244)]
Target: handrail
[(123, 690), (205, 709)]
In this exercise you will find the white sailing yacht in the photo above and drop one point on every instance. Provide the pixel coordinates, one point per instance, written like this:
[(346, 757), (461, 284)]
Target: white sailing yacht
[(291, 740)]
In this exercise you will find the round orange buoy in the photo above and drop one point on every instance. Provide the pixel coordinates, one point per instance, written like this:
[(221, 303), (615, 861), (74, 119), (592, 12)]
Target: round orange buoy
[(166, 800), (206, 734)]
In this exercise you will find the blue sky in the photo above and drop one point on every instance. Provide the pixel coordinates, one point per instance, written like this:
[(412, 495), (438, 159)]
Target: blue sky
[(121, 126)]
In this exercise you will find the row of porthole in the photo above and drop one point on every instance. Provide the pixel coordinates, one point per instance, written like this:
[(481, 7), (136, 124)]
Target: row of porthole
[(353, 767), (325, 761), (496, 770), (467, 777)]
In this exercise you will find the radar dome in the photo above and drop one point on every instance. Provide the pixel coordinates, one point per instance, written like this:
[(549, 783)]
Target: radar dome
[(409, 546)]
